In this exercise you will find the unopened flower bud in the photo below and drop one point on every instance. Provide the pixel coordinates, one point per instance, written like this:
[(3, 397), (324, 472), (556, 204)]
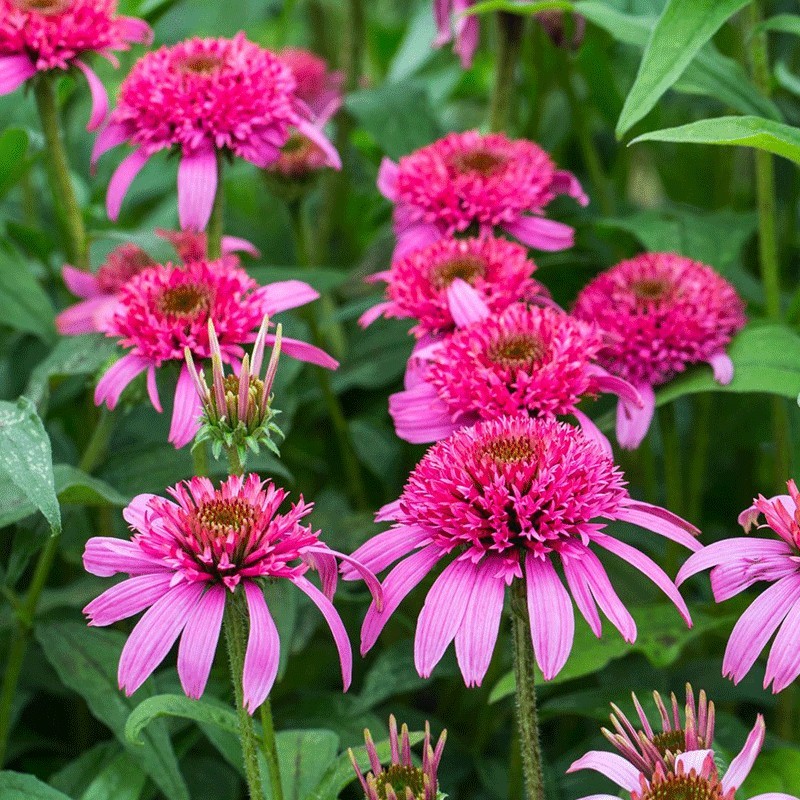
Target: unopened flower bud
[(564, 29)]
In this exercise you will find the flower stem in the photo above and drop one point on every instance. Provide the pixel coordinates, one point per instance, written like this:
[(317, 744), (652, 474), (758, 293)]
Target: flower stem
[(269, 747), (355, 33), (68, 210), (509, 30), (524, 672), (236, 465), (216, 224), (235, 626), (200, 459)]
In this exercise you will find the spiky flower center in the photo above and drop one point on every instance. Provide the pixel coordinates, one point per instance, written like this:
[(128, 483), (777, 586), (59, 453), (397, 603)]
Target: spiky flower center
[(651, 288), (468, 268), (670, 742), (400, 777), (187, 300), (202, 63), (45, 7), (510, 449), (517, 350), (685, 787), (222, 517), (481, 161)]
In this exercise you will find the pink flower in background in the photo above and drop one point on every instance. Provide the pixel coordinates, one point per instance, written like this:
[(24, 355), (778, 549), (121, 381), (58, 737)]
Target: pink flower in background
[(449, 21), (317, 86), (737, 564), (203, 97), (661, 312), (42, 35), (497, 502), (193, 246), (423, 284), (165, 309), (187, 556), (694, 774), (469, 180), (526, 359)]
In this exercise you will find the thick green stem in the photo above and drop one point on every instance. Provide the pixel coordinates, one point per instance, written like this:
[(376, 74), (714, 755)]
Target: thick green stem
[(236, 465), (524, 672), (67, 208), (509, 31), (269, 747), (216, 225), (235, 626), (200, 459), (97, 446)]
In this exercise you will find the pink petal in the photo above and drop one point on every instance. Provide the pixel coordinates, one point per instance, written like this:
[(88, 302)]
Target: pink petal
[(110, 137), (420, 416), (465, 304), (441, 14), (541, 233), (633, 421), (154, 635), (398, 583), (136, 513), (283, 295), (334, 622), (303, 351), (199, 642), (566, 183), (580, 591), (694, 759), (551, 617), (82, 317), (477, 635), (99, 96), (594, 433), (387, 179), (325, 565), (774, 796), (741, 765), (263, 648), (235, 244), (661, 521), (318, 137), (371, 314), (80, 282), (152, 389), (197, 187), (467, 33), (389, 512), (116, 378), (135, 30), (783, 664), (613, 766), (728, 580), (606, 382), (127, 598), (121, 181), (185, 412), (363, 572), (415, 237), (723, 368), (106, 556), (378, 552), (14, 71), (730, 550)]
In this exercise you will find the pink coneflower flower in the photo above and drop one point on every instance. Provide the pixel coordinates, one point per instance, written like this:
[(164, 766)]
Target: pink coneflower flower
[(402, 779), (202, 97), (165, 309), (647, 750), (193, 246), (661, 312), (317, 86), (186, 557), (694, 774), (499, 502), (468, 180), (43, 35), (527, 359), (737, 564), (422, 285), (450, 22)]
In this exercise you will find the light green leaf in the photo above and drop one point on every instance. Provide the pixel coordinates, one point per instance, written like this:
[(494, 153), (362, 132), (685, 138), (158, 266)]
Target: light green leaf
[(16, 786), (303, 758), (519, 6), (177, 705), (26, 463), (13, 147), (681, 31), (122, 779), (23, 304), (781, 23), (764, 134)]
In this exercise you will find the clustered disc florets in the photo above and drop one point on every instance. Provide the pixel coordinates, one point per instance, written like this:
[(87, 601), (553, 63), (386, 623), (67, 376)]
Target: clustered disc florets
[(681, 784)]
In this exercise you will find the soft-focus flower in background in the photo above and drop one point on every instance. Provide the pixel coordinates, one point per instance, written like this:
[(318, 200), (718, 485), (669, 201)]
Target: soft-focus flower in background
[(736, 565), (186, 556), (661, 313), (319, 87), (204, 97), (402, 779), (499, 501), (450, 23), (43, 35)]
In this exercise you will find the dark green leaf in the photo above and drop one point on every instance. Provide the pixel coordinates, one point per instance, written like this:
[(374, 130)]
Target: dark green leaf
[(122, 779), (23, 304), (75, 486), (13, 146), (782, 23), (177, 705), (303, 756), (16, 786)]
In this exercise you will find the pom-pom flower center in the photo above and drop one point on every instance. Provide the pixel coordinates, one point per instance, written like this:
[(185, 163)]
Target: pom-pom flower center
[(517, 350), (202, 63), (481, 160), (45, 7), (683, 786), (188, 300), (510, 449), (651, 288), (468, 268)]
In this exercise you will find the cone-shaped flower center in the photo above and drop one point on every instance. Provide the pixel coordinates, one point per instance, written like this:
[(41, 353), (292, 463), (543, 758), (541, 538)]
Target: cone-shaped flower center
[(187, 300), (517, 350), (685, 787), (670, 742), (46, 7), (222, 517), (400, 777), (480, 160), (510, 449), (202, 63), (466, 267), (651, 288)]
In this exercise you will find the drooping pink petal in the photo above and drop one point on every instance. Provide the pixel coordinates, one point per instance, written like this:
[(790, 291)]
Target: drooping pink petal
[(441, 15), (235, 244), (122, 179), (116, 378), (663, 522), (783, 664), (283, 295), (723, 368), (110, 137), (105, 557), (387, 179), (99, 96), (467, 36), (152, 389), (733, 549), (127, 598), (633, 421), (541, 234), (303, 351), (465, 304), (371, 314), (565, 182), (82, 317), (155, 633), (366, 574), (334, 622), (197, 188), (382, 550), (199, 642), (136, 30), (420, 416), (263, 648), (79, 282), (318, 137), (415, 237), (441, 614), (185, 412), (593, 432), (613, 766), (579, 590), (734, 577), (325, 565), (14, 71), (611, 383), (741, 765), (551, 617)]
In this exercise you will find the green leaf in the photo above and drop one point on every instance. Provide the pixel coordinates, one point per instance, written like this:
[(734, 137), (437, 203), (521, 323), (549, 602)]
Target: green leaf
[(764, 134), (76, 487), (122, 779), (519, 6), (13, 147), (303, 758), (681, 31), (26, 462), (16, 786), (23, 304), (177, 705), (781, 23), (86, 661)]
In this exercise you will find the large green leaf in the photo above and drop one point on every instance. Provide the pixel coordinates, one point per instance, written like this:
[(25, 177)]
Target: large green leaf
[(681, 31), (16, 786), (86, 660), (23, 304), (26, 463), (122, 779), (782, 23), (520, 6), (13, 147), (178, 705), (763, 134), (303, 757)]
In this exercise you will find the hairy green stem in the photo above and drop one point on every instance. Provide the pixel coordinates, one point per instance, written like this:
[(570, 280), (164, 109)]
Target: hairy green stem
[(524, 672), (269, 747), (236, 465), (68, 210), (510, 28), (216, 225)]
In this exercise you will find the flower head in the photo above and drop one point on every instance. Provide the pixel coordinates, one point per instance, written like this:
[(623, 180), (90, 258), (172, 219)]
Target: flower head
[(501, 501), (470, 181), (317, 86), (421, 284), (661, 312), (165, 309), (202, 97), (42, 35), (402, 779), (450, 22), (187, 555), (739, 563)]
